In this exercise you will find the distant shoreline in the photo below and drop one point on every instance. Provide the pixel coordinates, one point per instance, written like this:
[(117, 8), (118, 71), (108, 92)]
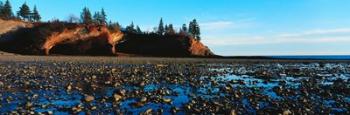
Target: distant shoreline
[(294, 57)]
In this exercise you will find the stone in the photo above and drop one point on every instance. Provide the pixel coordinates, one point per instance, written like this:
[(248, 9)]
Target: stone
[(89, 98), (117, 97)]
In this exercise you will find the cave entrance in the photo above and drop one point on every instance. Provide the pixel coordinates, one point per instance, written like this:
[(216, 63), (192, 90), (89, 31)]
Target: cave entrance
[(64, 49)]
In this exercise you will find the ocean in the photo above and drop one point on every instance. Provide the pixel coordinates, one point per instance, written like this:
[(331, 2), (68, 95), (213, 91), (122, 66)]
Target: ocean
[(315, 57)]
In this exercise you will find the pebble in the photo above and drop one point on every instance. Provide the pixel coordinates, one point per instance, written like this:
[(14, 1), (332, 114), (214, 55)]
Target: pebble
[(1, 84), (69, 87), (143, 99), (148, 112), (117, 97), (77, 109), (29, 105), (94, 77), (50, 112), (89, 98), (287, 112), (233, 112), (193, 88), (167, 100)]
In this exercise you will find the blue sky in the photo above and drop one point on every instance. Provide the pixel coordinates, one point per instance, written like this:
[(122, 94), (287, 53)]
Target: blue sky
[(231, 27)]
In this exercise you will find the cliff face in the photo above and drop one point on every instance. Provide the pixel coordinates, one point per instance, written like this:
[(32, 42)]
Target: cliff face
[(8, 26), (84, 39), (167, 45), (75, 39), (197, 48), (12, 25), (63, 38)]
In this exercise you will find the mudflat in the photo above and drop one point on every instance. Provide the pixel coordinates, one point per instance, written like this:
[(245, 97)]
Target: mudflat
[(146, 85)]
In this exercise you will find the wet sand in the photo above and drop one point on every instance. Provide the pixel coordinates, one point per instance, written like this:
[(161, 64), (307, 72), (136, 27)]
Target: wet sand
[(72, 85)]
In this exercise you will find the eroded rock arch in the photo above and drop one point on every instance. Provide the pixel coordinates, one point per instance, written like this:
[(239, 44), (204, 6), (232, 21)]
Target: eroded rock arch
[(85, 36)]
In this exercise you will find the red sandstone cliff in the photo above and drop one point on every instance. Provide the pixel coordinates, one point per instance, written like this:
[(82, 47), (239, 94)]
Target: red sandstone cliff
[(85, 37), (76, 39), (197, 48), (12, 25)]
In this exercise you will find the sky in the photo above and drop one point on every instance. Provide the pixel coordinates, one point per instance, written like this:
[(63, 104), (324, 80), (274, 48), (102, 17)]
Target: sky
[(230, 27)]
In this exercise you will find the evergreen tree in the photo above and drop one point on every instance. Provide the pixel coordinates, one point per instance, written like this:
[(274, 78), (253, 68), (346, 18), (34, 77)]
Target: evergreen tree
[(191, 28), (86, 16), (138, 30), (36, 15), (131, 28), (197, 29), (161, 27), (170, 30), (194, 29), (6, 12), (100, 17), (97, 18), (183, 29), (103, 16), (24, 12), (166, 28), (114, 26), (118, 25)]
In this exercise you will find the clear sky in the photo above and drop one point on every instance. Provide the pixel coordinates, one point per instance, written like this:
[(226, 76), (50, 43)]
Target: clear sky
[(231, 27)]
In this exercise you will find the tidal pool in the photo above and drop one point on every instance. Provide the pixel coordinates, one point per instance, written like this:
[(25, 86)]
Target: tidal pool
[(176, 89)]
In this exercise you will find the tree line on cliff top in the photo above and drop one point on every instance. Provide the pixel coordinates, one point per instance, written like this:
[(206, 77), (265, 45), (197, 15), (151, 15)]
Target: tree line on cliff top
[(24, 12), (100, 17)]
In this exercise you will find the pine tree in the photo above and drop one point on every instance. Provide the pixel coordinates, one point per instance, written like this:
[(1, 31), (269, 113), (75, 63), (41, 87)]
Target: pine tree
[(100, 17), (97, 18), (118, 25), (170, 29), (183, 29), (138, 30), (24, 12), (86, 16), (6, 12), (166, 28), (103, 16), (114, 26), (161, 27), (36, 15), (131, 28), (197, 30), (194, 29), (191, 28)]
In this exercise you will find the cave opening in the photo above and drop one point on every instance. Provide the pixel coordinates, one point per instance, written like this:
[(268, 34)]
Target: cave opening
[(64, 49), (86, 48)]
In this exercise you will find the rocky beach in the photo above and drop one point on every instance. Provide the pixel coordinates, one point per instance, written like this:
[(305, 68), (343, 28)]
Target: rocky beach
[(110, 85), (163, 57)]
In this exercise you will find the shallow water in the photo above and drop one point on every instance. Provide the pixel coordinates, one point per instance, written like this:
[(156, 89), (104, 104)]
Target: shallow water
[(220, 82)]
